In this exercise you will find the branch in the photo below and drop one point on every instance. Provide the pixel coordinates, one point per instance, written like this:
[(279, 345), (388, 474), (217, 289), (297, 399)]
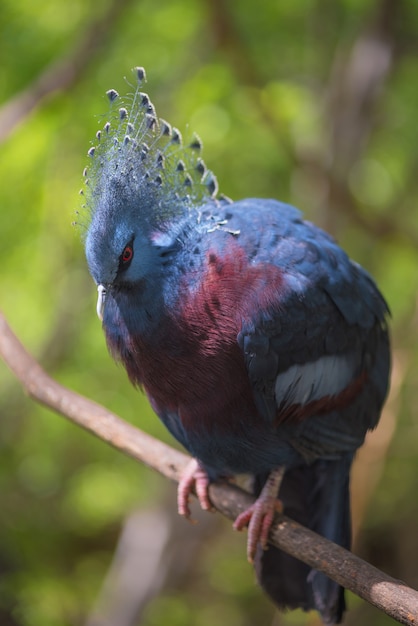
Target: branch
[(392, 596), (62, 73), (351, 99), (235, 50)]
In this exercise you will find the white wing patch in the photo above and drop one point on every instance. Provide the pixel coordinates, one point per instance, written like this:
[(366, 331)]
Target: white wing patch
[(304, 383)]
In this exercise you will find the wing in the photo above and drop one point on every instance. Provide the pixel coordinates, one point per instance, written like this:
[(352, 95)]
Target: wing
[(324, 340)]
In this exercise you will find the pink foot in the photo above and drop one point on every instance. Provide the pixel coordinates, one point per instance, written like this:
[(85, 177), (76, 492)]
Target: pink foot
[(194, 480), (259, 516)]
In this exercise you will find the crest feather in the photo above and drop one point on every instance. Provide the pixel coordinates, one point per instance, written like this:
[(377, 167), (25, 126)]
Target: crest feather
[(144, 157)]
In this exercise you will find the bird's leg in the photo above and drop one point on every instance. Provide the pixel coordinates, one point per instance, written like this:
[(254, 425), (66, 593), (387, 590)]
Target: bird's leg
[(194, 479), (259, 516)]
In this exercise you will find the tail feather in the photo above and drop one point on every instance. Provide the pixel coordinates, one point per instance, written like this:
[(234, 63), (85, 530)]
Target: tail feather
[(316, 496)]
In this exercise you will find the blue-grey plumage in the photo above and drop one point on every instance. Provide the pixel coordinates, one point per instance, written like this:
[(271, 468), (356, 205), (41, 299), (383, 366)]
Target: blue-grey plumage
[(259, 343)]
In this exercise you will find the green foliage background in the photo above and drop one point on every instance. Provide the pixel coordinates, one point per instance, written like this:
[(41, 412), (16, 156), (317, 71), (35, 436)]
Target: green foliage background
[(277, 92)]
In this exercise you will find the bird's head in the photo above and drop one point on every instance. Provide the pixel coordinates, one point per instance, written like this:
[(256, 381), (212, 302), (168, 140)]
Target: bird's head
[(141, 183)]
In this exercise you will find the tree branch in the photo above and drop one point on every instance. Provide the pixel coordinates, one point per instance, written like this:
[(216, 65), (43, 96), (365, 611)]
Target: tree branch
[(392, 596), (61, 73)]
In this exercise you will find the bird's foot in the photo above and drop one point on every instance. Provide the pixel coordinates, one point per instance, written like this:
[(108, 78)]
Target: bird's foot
[(259, 516), (193, 480)]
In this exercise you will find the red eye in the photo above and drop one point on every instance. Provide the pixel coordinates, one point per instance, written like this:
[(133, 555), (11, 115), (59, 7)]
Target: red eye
[(127, 254)]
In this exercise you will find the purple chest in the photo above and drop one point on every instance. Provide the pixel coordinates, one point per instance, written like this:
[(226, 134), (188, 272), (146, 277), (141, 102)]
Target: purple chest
[(192, 363)]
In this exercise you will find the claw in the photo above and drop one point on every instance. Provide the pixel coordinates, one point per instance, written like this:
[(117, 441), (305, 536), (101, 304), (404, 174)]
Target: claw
[(194, 480), (259, 516)]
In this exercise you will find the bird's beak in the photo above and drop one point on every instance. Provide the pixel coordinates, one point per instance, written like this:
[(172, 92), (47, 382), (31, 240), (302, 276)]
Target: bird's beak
[(100, 301)]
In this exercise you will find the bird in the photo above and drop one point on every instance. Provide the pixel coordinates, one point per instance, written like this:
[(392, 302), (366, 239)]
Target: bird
[(262, 347)]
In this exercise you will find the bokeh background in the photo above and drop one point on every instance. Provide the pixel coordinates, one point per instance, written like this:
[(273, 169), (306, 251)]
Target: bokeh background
[(313, 102)]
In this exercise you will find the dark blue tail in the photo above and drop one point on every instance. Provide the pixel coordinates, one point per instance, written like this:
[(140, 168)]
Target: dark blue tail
[(316, 496)]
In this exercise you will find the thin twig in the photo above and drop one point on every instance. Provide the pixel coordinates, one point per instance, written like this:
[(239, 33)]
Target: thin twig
[(352, 97), (61, 73), (388, 594)]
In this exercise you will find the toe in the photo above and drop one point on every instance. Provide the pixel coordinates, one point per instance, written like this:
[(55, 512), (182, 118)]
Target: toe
[(194, 480)]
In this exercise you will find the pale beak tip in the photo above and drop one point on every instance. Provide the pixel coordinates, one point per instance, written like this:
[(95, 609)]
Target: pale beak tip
[(100, 301)]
